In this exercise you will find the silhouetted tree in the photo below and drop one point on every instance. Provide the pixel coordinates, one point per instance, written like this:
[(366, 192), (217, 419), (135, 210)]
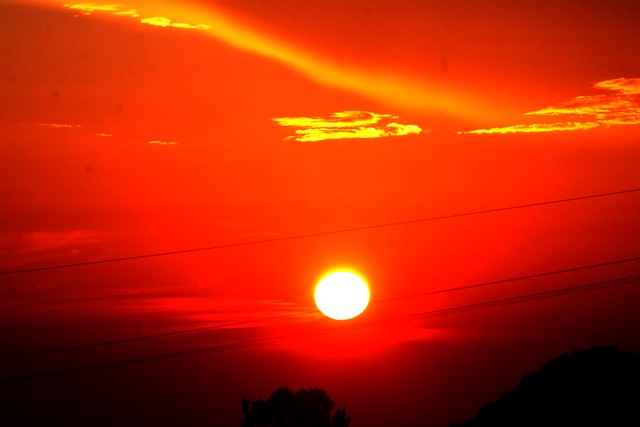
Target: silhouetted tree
[(340, 419), (284, 408), (598, 386)]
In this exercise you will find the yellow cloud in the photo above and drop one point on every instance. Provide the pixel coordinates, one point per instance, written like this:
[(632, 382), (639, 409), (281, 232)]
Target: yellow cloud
[(626, 86), (535, 128), (89, 8), (346, 125), (404, 129), (161, 21), (116, 9), (619, 106), (158, 21)]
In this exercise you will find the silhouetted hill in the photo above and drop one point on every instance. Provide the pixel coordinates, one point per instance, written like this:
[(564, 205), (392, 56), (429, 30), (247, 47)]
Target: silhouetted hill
[(595, 387)]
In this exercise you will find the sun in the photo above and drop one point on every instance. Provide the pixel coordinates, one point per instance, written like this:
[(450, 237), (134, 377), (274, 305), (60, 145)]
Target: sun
[(342, 295)]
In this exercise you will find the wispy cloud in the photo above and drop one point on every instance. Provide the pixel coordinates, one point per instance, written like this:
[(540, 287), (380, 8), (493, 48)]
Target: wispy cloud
[(235, 312), (116, 9), (364, 340), (69, 126), (89, 8), (159, 142), (60, 125), (347, 125), (38, 245), (620, 105)]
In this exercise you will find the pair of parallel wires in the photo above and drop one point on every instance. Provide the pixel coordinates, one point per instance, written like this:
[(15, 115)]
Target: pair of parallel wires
[(588, 287)]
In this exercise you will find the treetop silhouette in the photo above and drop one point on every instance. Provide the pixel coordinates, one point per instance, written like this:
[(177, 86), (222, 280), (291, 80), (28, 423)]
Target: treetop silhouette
[(285, 408)]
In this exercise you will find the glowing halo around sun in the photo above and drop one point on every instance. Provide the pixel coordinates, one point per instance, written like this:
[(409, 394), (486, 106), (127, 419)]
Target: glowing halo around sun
[(342, 295)]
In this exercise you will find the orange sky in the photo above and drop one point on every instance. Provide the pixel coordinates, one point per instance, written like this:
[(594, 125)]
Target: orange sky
[(147, 128)]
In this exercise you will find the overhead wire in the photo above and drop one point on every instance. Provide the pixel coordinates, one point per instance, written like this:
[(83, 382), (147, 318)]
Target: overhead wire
[(454, 310), (515, 279), (202, 329), (313, 234), (631, 280), (223, 325)]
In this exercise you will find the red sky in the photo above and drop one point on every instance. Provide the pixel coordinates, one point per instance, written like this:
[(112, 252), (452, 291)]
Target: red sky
[(155, 127)]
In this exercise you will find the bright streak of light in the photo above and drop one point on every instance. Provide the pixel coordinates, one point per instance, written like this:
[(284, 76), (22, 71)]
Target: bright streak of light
[(393, 89)]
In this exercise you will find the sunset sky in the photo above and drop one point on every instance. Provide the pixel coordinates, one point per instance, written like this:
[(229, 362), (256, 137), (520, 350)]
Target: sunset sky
[(175, 177)]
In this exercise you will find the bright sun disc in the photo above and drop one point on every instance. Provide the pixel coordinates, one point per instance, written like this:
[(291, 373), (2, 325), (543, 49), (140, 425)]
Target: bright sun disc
[(342, 295)]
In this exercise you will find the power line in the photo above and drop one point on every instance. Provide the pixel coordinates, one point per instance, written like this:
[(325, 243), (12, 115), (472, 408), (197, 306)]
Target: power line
[(521, 299), (632, 280), (243, 322), (315, 234), (202, 329), (515, 279)]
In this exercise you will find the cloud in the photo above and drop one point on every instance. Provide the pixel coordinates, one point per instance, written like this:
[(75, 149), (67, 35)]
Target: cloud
[(346, 125), (160, 21), (619, 105), (39, 245), (89, 8), (535, 128), (159, 142), (183, 308), (234, 312), (60, 125), (116, 9), (364, 340)]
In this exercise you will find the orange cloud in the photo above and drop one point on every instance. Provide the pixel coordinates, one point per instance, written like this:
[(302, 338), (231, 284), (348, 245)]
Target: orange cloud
[(159, 142), (346, 125), (47, 244), (60, 125), (619, 106)]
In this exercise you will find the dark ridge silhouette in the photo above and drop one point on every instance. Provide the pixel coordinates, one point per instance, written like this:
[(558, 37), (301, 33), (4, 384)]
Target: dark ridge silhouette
[(284, 408), (595, 387)]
